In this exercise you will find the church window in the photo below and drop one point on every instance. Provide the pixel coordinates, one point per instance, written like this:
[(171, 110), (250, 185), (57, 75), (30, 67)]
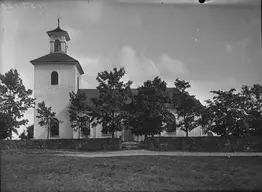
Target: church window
[(57, 45), (54, 78), (54, 129)]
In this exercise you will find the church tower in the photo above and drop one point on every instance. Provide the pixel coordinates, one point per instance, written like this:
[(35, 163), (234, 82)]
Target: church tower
[(55, 75)]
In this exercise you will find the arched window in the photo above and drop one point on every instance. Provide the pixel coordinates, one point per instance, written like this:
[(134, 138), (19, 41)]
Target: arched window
[(54, 128), (54, 78), (57, 45)]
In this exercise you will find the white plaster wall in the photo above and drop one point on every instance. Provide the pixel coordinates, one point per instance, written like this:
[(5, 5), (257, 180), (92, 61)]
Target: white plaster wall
[(56, 96), (179, 133), (76, 74), (96, 132)]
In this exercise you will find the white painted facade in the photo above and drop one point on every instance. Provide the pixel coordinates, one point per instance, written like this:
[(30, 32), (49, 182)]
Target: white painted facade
[(57, 97)]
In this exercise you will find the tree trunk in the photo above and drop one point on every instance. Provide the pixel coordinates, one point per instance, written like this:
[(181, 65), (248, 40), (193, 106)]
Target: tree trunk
[(113, 135), (79, 133), (186, 133)]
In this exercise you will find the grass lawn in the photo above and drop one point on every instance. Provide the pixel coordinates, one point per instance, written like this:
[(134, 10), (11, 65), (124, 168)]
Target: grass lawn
[(42, 171)]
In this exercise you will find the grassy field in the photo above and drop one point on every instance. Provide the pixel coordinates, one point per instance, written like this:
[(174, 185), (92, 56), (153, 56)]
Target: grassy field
[(42, 171)]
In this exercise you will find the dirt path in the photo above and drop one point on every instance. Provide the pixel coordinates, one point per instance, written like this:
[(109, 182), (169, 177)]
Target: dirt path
[(145, 152)]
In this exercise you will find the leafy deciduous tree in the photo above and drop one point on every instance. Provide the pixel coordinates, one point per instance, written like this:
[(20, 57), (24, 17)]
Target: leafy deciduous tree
[(251, 97), (107, 108), (188, 108), (28, 134), (46, 116), (147, 111), (225, 113), (30, 131), (78, 116), (5, 120), (15, 100)]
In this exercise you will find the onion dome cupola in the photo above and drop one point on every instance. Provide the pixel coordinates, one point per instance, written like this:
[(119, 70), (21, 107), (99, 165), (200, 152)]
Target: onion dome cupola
[(58, 39)]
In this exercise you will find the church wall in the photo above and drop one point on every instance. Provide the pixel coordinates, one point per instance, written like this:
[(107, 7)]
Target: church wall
[(56, 96), (77, 74), (179, 133)]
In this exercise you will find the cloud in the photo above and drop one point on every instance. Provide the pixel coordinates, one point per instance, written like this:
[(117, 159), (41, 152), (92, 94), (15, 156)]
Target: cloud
[(202, 88), (139, 69), (92, 66), (169, 66)]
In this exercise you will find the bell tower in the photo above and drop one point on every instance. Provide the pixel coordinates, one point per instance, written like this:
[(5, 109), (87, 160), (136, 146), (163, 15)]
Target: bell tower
[(58, 39), (55, 75)]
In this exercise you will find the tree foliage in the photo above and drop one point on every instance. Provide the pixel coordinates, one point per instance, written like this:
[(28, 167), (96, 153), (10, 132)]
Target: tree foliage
[(78, 116), (251, 105), (28, 133), (147, 111), (46, 116), (15, 100), (231, 113), (107, 108), (5, 123), (188, 108)]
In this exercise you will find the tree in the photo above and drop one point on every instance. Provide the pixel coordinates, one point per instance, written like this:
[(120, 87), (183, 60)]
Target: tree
[(251, 105), (107, 108), (15, 100), (28, 134), (147, 111), (77, 113), (23, 136), (225, 113), (30, 131), (188, 108), (47, 117), (5, 120), (204, 120)]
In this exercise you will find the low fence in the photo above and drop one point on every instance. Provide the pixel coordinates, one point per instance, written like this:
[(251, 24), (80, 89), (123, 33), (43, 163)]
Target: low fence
[(206, 144), (71, 144)]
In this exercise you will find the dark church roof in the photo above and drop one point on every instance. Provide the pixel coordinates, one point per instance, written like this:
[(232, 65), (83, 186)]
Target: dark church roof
[(57, 58), (58, 32), (90, 93)]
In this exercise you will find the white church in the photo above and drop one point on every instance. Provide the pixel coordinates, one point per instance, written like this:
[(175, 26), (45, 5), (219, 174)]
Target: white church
[(55, 75)]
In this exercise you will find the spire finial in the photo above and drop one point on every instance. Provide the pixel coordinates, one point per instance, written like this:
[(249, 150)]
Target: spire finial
[(58, 20)]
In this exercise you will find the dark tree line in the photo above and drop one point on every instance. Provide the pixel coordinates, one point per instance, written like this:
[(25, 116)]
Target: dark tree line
[(144, 111)]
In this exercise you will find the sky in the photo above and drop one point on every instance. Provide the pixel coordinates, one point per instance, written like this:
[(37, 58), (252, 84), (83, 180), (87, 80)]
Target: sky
[(214, 46)]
